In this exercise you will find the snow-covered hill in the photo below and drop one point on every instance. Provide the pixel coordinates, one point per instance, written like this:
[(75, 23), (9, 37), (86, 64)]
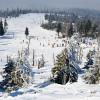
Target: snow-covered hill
[(45, 43)]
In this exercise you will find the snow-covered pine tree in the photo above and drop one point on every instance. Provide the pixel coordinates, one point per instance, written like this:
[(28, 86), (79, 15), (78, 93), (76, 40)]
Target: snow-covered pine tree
[(18, 73), (74, 51), (92, 75), (89, 62), (12, 79), (67, 63), (60, 62), (63, 70), (25, 67), (74, 47), (90, 54)]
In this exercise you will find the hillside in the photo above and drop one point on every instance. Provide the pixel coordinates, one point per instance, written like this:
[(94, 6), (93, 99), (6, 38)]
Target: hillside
[(42, 42)]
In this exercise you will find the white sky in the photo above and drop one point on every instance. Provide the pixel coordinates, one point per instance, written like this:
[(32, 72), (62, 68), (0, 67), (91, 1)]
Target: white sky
[(91, 4)]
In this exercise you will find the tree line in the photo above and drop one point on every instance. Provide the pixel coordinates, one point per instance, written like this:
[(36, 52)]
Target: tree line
[(67, 25)]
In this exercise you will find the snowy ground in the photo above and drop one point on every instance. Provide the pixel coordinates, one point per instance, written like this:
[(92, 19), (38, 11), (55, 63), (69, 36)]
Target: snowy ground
[(43, 42)]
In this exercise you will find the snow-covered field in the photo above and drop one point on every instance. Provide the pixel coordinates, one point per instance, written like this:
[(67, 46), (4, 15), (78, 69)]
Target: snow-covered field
[(45, 43)]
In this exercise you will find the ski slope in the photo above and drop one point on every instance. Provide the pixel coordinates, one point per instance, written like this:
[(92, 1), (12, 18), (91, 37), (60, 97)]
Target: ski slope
[(46, 43)]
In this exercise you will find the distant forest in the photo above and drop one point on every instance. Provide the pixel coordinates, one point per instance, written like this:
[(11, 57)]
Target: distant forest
[(93, 14), (86, 22)]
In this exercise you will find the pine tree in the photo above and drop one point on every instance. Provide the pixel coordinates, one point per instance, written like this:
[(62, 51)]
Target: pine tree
[(60, 62), (70, 30), (26, 31), (59, 28), (5, 26), (1, 29), (88, 26), (10, 79), (84, 26), (92, 75), (63, 70), (18, 73)]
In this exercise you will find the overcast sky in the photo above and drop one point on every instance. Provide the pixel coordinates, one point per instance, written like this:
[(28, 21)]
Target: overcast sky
[(91, 4)]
